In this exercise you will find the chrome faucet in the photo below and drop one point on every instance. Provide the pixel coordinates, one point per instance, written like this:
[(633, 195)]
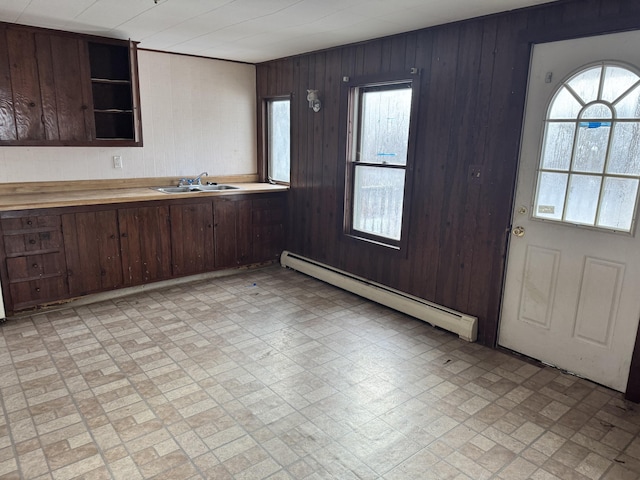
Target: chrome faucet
[(183, 182)]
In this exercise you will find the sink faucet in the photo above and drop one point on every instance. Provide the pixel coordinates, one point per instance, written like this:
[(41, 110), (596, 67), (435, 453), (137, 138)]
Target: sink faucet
[(183, 182)]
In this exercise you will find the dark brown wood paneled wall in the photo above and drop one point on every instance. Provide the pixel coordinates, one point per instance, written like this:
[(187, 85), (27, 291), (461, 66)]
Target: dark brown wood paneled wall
[(473, 84)]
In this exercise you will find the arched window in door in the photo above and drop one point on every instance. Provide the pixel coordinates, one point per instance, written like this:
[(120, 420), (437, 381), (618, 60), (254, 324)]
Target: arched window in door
[(589, 167)]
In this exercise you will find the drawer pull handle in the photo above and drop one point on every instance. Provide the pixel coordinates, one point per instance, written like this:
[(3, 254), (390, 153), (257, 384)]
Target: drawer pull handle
[(32, 241)]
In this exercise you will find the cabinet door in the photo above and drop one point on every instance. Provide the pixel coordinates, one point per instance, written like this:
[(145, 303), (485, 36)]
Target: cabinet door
[(92, 250), (232, 232), (192, 238), (25, 83), (268, 228), (47, 85), (64, 84), (145, 241), (7, 120)]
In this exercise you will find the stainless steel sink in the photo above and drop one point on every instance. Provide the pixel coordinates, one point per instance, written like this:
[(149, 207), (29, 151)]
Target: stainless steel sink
[(176, 189), (195, 188), (214, 188)]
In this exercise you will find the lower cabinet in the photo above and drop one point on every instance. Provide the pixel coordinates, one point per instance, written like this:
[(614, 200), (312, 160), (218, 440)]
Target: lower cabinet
[(54, 254), (233, 232), (192, 238), (267, 220), (92, 251), (145, 244)]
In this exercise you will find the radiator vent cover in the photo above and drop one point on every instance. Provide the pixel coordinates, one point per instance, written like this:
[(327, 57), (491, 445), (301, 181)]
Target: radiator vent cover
[(465, 326)]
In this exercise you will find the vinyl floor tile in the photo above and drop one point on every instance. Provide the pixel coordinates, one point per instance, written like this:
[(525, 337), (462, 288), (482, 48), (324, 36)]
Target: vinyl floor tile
[(270, 374)]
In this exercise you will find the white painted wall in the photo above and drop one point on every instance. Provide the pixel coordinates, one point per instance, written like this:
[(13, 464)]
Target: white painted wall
[(197, 115)]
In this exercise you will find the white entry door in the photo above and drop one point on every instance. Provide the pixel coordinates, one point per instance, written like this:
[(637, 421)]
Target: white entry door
[(572, 291)]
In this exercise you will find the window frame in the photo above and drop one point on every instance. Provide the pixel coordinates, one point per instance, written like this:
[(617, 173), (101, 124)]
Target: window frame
[(264, 132), (571, 172), (351, 93)]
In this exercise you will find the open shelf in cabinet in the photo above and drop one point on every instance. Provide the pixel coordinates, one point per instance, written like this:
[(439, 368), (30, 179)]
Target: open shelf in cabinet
[(112, 91)]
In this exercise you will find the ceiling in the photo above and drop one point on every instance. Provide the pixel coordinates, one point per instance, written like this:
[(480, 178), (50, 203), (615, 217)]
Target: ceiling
[(247, 30)]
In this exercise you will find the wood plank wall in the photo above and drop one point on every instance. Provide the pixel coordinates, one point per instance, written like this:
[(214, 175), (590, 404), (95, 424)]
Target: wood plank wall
[(473, 85)]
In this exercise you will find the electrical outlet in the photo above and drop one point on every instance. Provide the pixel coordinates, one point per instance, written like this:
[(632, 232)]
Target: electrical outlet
[(117, 161)]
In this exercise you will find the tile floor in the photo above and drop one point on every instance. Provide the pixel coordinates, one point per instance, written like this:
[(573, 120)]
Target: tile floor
[(271, 374)]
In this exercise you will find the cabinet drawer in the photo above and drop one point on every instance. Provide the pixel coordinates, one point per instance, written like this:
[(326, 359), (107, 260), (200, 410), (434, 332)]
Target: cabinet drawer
[(34, 292), (33, 267), (33, 242), (25, 224)]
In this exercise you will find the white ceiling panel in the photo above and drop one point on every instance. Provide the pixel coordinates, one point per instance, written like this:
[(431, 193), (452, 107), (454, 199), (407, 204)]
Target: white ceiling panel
[(247, 30), (58, 11), (113, 13), (10, 10)]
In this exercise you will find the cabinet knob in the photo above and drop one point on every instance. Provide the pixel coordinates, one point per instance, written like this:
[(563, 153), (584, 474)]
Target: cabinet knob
[(32, 241), (32, 104), (35, 265), (113, 236), (38, 289), (125, 235), (29, 222)]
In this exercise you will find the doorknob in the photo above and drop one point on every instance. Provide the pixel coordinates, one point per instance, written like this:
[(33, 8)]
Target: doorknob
[(518, 231)]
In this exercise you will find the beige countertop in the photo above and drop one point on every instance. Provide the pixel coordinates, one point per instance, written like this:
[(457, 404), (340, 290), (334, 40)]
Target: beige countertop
[(24, 196)]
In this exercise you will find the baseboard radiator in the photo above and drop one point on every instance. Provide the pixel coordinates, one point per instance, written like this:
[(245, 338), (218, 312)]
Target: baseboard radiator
[(465, 326)]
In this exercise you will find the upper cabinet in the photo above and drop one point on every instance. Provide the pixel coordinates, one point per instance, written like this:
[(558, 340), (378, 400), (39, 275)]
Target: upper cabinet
[(58, 88)]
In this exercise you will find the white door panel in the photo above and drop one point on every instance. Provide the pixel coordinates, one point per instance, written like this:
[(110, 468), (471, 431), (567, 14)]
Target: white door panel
[(571, 296)]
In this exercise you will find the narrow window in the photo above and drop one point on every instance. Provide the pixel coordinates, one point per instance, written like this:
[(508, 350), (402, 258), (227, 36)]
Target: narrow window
[(377, 163), (278, 140), (589, 169)]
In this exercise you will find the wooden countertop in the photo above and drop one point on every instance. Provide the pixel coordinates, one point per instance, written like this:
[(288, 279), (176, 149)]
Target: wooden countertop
[(27, 196)]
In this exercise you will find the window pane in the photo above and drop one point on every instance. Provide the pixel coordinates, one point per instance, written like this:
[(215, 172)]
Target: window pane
[(378, 196), (551, 191), (278, 140), (565, 105), (582, 200), (618, 203), (591, 147), (586, 84), (597, 110), (558, 144), (629, 106), (617, 81), (624, 158), (384, 127)]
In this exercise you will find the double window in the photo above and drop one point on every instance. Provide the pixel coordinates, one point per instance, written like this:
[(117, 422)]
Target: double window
[(378, 154)]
